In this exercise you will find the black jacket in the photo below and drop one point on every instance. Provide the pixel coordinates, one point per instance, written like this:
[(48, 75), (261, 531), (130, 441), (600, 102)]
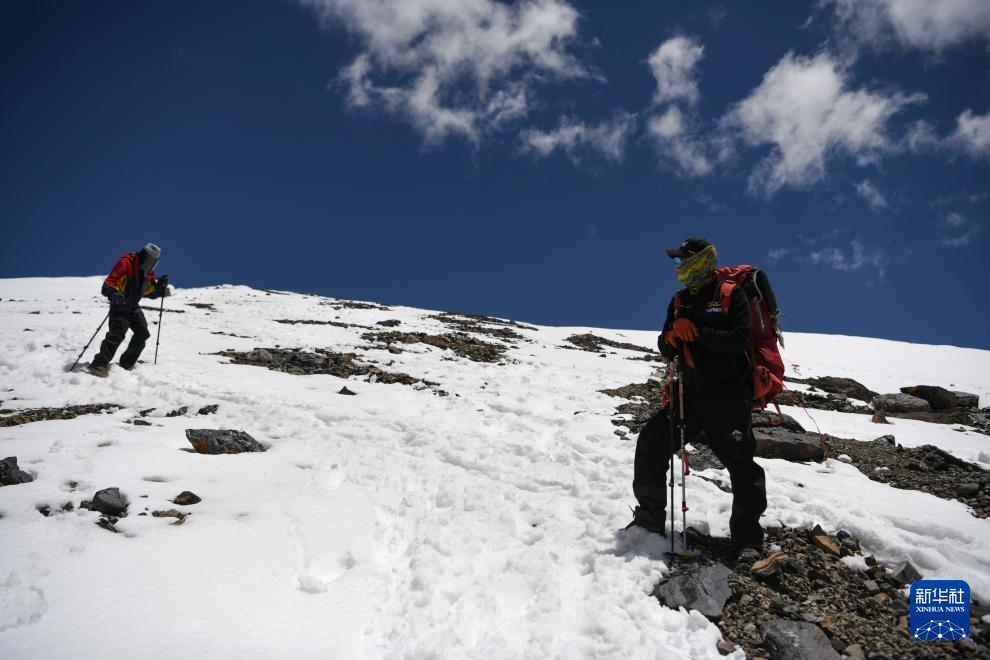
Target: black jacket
[(721, 351)]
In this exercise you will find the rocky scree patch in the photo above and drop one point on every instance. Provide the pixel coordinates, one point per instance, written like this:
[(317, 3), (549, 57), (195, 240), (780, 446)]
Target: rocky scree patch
[(320, 361), (926, 468), (460, 343), (593, 344), (18, 417), (482, 325), (803, 580)]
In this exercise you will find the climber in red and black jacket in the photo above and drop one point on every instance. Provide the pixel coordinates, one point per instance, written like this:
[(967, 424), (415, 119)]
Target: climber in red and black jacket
[(132, 278)]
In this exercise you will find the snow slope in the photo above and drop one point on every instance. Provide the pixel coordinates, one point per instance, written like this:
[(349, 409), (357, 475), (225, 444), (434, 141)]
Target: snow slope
[(394, 523)]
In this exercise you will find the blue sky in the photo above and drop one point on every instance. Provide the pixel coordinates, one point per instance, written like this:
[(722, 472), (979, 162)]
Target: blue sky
[(526, 160)]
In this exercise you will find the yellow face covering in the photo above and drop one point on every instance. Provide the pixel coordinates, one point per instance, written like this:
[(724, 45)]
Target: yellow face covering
[(698, 270)]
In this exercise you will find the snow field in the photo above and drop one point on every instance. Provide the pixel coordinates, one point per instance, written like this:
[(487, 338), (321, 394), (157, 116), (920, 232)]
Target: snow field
[(395, 523)]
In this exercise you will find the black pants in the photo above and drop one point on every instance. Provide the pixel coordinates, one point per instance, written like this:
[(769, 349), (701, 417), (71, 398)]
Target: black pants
[(727, 428), (120, 321)]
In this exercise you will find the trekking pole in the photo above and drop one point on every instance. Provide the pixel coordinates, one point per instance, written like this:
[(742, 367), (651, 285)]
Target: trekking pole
[(671, 382), (684, 470), (161, 310), (89, 342)]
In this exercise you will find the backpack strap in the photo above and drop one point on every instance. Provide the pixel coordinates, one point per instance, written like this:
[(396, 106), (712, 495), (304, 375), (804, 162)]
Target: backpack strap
[(726, 294)]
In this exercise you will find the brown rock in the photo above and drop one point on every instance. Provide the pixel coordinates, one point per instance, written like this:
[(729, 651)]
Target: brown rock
[(823, 540), (880, 417), (769, 566)]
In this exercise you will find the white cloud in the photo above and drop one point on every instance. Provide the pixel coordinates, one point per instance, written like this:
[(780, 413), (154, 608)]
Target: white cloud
[(776, 254), (806, 112), (929, 25), (955, 219), (873, 197), (673, 64), (673, 126), (460, 68), (972, 134), (713, 205), (579, 140), (960, 229), (677, 143), (857, 258)]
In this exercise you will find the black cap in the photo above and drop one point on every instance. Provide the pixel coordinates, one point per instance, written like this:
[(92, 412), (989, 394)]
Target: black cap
[(688, 248)]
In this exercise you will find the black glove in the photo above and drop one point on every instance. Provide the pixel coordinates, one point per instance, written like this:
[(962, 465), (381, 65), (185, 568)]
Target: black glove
[(162, 282), (117, 298)]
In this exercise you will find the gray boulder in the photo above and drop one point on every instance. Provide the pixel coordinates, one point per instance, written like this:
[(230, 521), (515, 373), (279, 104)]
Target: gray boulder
[(212, 441), (705, 589), (937, 397), (901, 403), (767, 419), (905, 574), (797, 640), (111, 502), (788, 445), (11, 474), (967, 400), (846, 386)]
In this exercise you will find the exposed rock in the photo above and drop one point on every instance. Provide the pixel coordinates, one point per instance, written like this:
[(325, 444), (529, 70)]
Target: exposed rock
[(966, 400), (704, 589), (811, 585), (167, 310), (140, 422), (178, 412), (108, 523), (208, 410), (824, 540), (353, 304), (724, 647), (483, 325), (180, 516), (788, 445), (187, 498), (901, 403), (111, 502), (796, 640), (889, 439), (770, 565), (336, 324), (298, 362), (837, 402), (906, 574), (767, 419), (937, 397), (41, 414), (206, 306), (346, 391), (389, 323), (212, 441), (833, 385), (880, 417), (954, 416), (926, 468), (460, 343), (594, 343), (11, 474)]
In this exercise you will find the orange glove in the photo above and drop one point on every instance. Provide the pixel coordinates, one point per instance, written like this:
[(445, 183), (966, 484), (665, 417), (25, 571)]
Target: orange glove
[(683, 329)]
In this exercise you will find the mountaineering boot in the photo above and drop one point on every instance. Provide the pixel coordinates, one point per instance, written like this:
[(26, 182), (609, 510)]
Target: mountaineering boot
[(648, 521), (98, 370)]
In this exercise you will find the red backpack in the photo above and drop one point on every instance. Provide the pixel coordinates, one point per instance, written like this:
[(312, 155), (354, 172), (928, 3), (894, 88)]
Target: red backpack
[(763, 353)]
